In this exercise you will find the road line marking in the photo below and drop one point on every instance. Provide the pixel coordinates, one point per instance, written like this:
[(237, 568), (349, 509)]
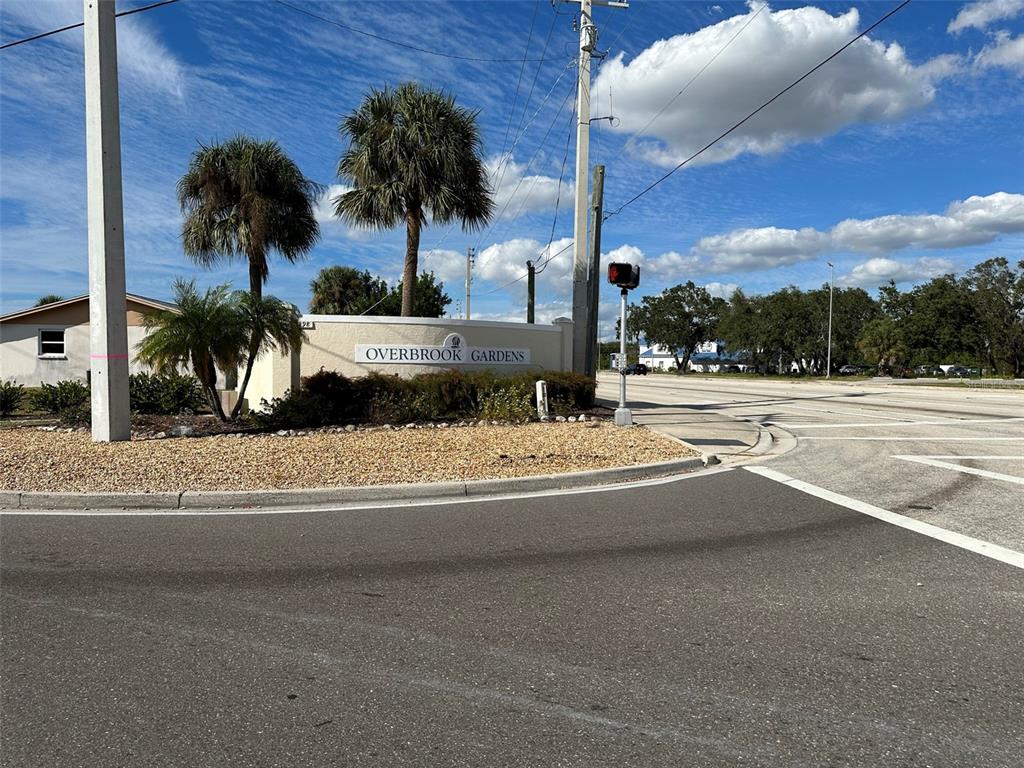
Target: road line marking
[(357, 507), (960, 468), (978, 546), (945, 423), (921, 439), (975, 458)]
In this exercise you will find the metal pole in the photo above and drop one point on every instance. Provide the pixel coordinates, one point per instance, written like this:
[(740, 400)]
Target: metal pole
[(580, 269), (623, 416), (108, 321), (831, 283), (594, 278), (469, 276), (530, 289)]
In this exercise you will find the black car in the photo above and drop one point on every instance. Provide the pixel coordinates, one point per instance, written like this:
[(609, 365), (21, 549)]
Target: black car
[(849, 370), (927, 370), (636, 369), (958, 372)]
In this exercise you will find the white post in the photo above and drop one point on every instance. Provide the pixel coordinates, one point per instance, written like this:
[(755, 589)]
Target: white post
[(623, 416), (469, 276), (580, 266), (108, 331), (831, 283)]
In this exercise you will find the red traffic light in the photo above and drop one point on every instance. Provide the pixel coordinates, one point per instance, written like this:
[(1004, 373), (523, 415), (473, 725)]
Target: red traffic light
[(623, 275)]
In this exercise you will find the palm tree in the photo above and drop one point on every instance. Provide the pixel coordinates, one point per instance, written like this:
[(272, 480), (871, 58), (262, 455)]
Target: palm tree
[(206, 332), (412, 151), (243, 199), (275, 324), (50, 298)]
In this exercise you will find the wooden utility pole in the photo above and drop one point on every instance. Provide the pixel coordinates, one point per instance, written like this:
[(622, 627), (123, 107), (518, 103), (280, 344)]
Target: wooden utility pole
[(581, 267), (108, 318), (531, 288), (594, 279)]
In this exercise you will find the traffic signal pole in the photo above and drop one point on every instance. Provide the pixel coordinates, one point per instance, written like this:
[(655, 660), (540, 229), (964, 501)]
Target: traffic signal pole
[(623, 416)]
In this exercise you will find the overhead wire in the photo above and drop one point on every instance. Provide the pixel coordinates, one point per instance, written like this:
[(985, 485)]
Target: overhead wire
[(41, 35), (770, 101), (519, 79), (399, 43), (558, 196)]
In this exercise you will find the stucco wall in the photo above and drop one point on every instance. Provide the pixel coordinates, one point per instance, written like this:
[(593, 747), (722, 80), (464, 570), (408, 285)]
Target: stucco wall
[(20, 360), (332, 341)]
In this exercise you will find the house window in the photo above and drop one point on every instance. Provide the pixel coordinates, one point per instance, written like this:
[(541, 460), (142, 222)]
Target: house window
[(51, 342)]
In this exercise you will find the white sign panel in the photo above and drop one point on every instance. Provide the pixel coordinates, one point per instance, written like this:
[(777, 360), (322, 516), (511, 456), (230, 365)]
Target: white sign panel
[(453, 351)]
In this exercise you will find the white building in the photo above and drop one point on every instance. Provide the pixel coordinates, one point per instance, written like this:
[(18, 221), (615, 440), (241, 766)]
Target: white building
[(51, 343)]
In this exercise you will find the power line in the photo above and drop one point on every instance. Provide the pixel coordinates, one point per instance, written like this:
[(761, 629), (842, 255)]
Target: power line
[(399, 43), (41, 35), (693, 79), (558, 196), (523, 276), (774, 98), (519, 80)]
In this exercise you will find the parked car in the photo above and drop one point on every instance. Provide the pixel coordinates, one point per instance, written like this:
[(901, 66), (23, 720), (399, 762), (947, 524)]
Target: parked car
[(849, 370), (958, 372), (636, 369), (927, 370)]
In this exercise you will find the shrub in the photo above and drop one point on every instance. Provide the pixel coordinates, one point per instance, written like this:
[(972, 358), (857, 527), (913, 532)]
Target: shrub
[(68, 400), (165, 394), (510, 403), (11, 395), (296, 409)]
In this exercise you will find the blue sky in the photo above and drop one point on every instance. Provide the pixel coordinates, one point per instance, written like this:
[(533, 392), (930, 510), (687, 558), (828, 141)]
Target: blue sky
[(902, 158)]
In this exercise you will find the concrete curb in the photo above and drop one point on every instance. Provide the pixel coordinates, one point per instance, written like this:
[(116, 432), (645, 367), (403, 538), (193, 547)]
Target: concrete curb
[(197, 500)]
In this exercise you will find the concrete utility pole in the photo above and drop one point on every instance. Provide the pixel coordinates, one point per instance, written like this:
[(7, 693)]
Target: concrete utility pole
[(531, 287), (580, 267), (108, 322), (594, 278), (831, 283), (469, 276)]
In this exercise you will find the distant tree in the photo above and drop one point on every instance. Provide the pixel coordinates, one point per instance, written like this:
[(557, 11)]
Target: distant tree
[(998, 295), (50, 298), (430, 299), (204, 333), (882, 343), (412, 151), (346, 291), (679, 319)]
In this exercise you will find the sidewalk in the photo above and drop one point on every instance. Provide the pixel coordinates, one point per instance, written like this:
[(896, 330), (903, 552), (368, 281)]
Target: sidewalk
[(708, 431)]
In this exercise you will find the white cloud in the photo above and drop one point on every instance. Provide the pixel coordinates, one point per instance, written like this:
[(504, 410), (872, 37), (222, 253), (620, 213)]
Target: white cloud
[(974, 221), (668, 266), (750, 249), (980, 14), (516, 193), (870, 82), (1005, 51), (875, 272), (721, 290)]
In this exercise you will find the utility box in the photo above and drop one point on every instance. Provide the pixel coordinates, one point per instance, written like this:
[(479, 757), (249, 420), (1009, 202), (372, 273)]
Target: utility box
[(543, 412)]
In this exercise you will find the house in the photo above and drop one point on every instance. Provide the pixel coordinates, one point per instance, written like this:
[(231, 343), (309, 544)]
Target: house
[(707, 357), (51, 343)]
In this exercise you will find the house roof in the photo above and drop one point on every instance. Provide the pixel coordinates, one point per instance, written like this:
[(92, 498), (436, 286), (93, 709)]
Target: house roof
[(153, 303)]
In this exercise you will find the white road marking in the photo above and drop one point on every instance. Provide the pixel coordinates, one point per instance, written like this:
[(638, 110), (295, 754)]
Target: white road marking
[(922, 439), (945, 423), (960, 468), (977, 458), (356, 507), (978, 546)]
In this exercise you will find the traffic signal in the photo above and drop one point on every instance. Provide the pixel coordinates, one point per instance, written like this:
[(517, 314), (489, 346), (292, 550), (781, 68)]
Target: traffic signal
[(624, 275)]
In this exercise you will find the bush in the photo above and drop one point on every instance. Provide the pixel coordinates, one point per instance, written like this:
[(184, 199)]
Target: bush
[(327, 397), (11, 395), (165, 394), (68, 400)]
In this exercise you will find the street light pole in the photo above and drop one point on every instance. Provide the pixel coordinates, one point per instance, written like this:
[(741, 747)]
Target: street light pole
[(623, 416), (831, 284)]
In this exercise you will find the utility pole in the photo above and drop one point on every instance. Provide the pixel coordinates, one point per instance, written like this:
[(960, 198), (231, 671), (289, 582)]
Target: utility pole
[(469, 276), (531, 287), (831, 283), (580, 266), (594, 278), (108, 322)]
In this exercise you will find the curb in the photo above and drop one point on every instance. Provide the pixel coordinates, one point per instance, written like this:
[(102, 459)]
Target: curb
[(198, 500)]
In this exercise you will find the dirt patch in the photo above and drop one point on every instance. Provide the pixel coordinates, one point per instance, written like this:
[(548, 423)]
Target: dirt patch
[(36, 460)]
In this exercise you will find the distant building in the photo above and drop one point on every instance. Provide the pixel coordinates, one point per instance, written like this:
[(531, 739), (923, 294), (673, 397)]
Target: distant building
[(51, 343), (708, 357)]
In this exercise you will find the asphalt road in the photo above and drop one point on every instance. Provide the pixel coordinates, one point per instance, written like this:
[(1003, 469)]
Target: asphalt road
[(951, 457), (717, 620)]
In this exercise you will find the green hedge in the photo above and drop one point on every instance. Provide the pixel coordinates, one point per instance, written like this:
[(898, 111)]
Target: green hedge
[(11, 395), (327, 398), (163, 394)]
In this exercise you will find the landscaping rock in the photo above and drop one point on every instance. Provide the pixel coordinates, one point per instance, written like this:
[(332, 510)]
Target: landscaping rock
[(182, 430)]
